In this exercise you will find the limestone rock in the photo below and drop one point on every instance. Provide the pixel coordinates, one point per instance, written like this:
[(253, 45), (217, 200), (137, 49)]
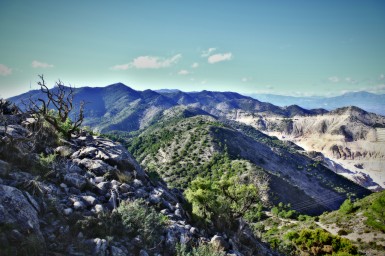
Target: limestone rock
[(64, 151), (16, 210), (104, 186), (100, 247), (67, 211), (137, 183), (15, 131), (98, 167), (4, 168), (87, 152), (79, 205), (219, 243), (117, 251), (76, 180), (89, 200)]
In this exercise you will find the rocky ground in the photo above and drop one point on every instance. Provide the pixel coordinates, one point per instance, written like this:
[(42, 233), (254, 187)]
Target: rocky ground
[(51, 187)]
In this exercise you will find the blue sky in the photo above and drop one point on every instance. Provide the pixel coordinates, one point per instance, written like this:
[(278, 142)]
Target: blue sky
[(281, 47)]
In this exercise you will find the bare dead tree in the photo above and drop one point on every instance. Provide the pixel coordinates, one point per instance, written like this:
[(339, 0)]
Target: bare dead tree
[(58, 108)]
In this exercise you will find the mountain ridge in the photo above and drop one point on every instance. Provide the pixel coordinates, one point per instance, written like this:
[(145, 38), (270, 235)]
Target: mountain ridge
[(370, 102), (118, 107)]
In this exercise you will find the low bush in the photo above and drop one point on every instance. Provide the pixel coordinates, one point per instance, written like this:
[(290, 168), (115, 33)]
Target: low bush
[(320, 242), (130, 220), (200, 250), (347, 206), (139, 219), (376, 213)]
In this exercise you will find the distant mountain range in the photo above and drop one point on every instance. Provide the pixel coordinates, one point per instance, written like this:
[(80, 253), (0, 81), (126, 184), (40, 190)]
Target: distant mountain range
[(118, 107), (347, 135), (368, 101)]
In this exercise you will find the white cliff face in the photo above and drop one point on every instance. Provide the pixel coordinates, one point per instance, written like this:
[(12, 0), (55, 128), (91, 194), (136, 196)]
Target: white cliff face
[(349, 138)]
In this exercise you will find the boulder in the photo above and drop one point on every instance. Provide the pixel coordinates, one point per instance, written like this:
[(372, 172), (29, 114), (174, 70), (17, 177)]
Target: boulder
[(18, 212), (79, 205), (219, 243), (71, 166), (154, 199), (21, 177), (67, 211), (75, 180), (194, 231), (178, 213), (89, 200), (64, 151), (124, 188), (14, 131), (104, 186), (100, 247), (118, 251), (86, 152), (4, 168), (98, 208), (117, 155), (141, 193), (137, 183), (98, 167)]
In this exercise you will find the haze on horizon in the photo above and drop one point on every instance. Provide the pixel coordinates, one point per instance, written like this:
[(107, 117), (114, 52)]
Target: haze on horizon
[(293, 48)]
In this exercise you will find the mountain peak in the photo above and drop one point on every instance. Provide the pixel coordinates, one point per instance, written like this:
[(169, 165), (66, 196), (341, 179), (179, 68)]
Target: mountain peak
[(117, 85), (349, 110)]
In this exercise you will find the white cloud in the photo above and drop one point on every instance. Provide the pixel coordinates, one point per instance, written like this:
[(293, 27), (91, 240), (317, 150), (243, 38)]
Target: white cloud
[(334, 79), (121, 67), (208, 52), (4, 70), (382, 76), (246, 79), (149, 62), (219, 57), (183, 72), (38, 64), (195, 65)]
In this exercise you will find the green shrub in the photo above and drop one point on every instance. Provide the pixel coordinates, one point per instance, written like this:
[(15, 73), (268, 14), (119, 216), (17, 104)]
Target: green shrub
[(44, 165), (284, 211), (105, 224), (316, 242), (222, 200), (154, 176), (342, 232), (7, 107), (376, 213), (200, 250), (130, 220), (347, 206), (47, 161), (139, 219)]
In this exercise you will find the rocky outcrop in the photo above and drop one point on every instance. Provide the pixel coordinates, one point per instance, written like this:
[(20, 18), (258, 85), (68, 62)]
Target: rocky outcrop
[(18, 216), (88, 177), (100, 155)]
